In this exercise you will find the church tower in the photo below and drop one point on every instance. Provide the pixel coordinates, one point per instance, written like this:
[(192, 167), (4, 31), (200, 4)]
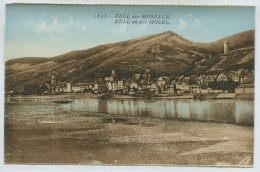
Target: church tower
[(53, 79), (53, 82)]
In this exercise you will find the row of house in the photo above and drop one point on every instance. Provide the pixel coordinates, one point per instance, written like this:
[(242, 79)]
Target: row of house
[(240, 76), (140, 83)]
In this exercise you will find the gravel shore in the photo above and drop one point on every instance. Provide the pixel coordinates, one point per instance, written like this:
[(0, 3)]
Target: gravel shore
[(96, 138)]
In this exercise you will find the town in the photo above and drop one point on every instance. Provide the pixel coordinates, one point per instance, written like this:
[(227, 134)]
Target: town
[(240, 81)]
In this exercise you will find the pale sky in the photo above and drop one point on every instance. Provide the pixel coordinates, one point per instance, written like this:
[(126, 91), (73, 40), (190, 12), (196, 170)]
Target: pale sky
[(51, 30)]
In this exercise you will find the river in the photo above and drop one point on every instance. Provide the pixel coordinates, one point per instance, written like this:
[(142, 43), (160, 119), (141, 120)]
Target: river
[(226, 110)]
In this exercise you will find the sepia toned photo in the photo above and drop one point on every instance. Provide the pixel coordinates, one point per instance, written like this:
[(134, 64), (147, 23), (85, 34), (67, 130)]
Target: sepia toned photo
[(129, 85)]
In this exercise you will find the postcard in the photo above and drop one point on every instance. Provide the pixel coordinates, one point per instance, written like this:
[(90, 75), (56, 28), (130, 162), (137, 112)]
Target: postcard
[(129, 85)]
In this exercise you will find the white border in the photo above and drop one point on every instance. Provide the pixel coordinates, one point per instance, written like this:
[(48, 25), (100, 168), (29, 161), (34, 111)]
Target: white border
[(65, 168)]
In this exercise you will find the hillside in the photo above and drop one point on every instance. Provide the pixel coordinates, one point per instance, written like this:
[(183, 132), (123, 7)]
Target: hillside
[(162, 54)]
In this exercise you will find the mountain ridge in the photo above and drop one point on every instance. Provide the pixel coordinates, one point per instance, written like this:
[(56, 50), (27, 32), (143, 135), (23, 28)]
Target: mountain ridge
[(166, 53)]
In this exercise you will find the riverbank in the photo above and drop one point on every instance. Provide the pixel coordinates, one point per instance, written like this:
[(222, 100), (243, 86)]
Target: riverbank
[(98, 138), (118, 96)]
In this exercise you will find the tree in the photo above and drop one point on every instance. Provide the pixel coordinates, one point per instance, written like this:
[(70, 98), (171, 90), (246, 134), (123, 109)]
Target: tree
[(223, 85), (34, 89)]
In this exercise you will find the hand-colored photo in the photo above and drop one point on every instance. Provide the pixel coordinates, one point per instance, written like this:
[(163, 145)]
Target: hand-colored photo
[(129, 85)]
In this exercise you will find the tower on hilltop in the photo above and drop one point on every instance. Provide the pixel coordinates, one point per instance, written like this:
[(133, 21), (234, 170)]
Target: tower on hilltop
[(225, 47)]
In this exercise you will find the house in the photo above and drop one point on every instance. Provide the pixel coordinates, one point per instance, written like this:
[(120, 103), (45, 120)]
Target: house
[(96, 87), (200, 80), (169, 89), (61, 87), (161, 83), (182, 84), (248, 77), (68, 87), (120, 85), (145, 79), (133, 84), (135, 81), (208, 79), (137, 76), (75, 89), (182, 88), (153, 87), (80, 87), (186, 80), (171, 85), (245, 88), (235, 75), (222, 77)]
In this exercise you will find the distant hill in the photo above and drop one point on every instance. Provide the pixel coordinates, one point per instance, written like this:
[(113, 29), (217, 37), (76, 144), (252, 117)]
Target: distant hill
[(161, 54)]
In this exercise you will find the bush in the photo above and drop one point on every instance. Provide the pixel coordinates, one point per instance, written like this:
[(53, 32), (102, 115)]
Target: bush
[(222, 85)]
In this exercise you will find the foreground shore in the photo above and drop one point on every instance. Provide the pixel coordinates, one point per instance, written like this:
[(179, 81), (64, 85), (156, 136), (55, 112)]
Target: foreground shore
[(96, 138)]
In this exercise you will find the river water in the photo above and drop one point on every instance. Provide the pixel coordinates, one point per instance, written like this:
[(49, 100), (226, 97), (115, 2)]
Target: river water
[(225, 110)]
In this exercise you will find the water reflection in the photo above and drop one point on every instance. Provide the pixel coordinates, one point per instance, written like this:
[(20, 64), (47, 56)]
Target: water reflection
[(231, 111)]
